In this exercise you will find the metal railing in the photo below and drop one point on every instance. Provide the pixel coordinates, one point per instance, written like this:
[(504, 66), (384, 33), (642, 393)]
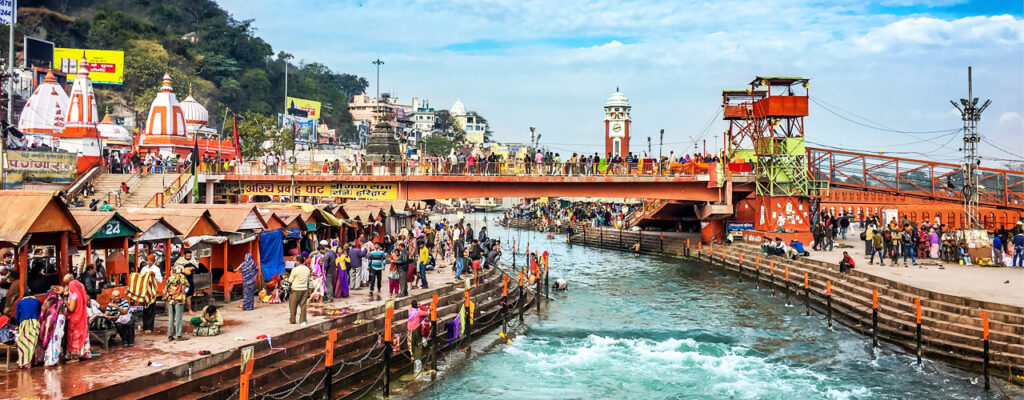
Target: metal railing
[(917, 178), (171, 192), (447, 168)]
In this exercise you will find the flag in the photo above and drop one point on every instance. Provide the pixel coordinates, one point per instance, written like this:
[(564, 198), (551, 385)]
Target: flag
[(234, 128), (7, 12)]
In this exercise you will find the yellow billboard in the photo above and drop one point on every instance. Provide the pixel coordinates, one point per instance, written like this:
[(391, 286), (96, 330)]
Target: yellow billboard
[(105, 66), (348, 190), (309, 106)]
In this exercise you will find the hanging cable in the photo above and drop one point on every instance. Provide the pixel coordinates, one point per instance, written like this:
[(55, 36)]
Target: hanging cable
[(877, 126)]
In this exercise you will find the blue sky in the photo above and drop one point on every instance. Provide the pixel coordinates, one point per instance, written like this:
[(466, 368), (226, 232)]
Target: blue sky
[(552, 64)]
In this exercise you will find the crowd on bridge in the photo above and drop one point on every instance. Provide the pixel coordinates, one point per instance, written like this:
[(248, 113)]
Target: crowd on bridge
[(480, 162), (561, 216)]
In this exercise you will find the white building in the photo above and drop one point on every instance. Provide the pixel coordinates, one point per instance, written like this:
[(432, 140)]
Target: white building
[(472, 123)]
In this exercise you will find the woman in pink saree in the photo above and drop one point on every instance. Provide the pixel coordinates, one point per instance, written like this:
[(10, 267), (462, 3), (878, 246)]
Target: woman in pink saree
[(78, 320), (51, 330)]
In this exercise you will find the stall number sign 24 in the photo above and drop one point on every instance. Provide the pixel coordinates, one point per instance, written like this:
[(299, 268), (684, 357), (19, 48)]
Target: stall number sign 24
[(112, 228)]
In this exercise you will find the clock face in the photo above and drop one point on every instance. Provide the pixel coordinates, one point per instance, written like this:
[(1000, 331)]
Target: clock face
[(617, 127)]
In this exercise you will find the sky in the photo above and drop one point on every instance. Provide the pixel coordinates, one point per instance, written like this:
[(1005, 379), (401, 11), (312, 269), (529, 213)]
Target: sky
[(881, 72)]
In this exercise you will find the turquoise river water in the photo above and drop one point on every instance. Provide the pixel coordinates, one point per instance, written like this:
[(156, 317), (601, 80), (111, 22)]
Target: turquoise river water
[(663, 328)]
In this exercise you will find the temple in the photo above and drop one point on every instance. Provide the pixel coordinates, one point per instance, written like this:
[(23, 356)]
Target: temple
[(174, 128), (44, 114), (80, 134)]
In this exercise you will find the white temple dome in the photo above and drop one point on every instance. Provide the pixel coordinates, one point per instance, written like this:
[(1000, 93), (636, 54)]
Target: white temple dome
[(617, 99), (458, 108), (111, 131), (82, 115), (45, 111), (165, 114), (194, 112)]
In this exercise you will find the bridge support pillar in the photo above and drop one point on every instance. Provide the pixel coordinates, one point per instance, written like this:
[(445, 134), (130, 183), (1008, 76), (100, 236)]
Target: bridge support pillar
[(712, 230)]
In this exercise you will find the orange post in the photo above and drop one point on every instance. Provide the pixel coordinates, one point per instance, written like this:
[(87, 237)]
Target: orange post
[(467, 300), (917, 304), (700, 246), (771, 267), (433, 307), (243, 380), (984, 325), (388, 316), (504, 285), (874, 299), (757, 262), (741, 258), (332, 336), (787, 274), (828, 288), (807, 283)]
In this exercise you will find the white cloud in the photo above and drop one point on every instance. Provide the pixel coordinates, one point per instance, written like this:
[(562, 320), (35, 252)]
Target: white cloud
[(922, 33)]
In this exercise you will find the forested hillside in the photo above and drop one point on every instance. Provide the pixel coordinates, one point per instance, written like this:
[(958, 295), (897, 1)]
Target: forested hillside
[(227, 65)]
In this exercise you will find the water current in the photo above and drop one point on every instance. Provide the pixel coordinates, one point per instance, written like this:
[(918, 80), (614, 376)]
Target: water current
[(663, 328)]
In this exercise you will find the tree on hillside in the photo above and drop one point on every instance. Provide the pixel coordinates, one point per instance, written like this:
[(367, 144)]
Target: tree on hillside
[(111, 29), (255, 129)]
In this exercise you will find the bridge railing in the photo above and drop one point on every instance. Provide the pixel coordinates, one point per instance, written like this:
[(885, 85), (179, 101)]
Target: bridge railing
[(512, 168), (917, 178)]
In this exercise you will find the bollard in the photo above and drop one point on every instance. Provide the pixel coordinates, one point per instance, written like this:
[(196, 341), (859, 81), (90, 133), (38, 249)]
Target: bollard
[(663, 243), (547, 285), (771, 276), (332, 336), (504, 305), (828, 303), (917, 304), (757, 273), (807, 294), (787, 286), (243, 380), (433, 338), (984, 337), (687, 248), (874, 318), (522, 294), (469, 317), (389, 314)]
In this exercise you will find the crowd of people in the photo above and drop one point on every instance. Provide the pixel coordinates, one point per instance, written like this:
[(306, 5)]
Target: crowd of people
[(560, 218), (477, 162)]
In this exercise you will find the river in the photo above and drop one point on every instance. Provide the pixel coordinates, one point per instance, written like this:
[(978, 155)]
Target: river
[(663, 328)]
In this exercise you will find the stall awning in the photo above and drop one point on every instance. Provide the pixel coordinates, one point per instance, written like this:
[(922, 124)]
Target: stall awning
[(194, 240)]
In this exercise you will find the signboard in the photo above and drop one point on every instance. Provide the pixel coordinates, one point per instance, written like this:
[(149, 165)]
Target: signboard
[(312, 108), (6, 6), (114, 228), (303, 128), (347, 190), (105, 66), (39, 166), (38, 53)]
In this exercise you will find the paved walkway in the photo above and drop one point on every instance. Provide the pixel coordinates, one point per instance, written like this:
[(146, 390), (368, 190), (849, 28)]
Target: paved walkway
[(991, 284), (240, 329)]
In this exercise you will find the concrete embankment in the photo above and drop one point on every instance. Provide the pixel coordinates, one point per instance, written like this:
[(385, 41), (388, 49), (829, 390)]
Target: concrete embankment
[(296, 366), (952, 327)]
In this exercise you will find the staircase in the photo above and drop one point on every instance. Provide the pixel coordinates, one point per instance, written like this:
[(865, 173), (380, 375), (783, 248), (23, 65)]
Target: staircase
[(142, 188)]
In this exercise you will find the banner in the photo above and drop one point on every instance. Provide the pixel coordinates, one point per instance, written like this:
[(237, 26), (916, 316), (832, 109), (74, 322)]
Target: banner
[(304, 129), (105, 66), (353, 190), (309, 106), (38, 166)]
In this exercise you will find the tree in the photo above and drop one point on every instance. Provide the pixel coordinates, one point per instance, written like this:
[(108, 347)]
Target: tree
[(449, 126), (112, 28), (253, 130), (437, 144)]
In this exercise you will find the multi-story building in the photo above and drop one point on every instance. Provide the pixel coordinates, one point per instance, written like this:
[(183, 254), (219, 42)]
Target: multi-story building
[(363, 108), (423, 117), (472, 123)]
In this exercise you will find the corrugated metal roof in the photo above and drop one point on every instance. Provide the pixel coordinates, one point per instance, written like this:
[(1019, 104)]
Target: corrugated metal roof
[(229, 217), (181, 219), (92, 221), (146, 222), (20, 209)]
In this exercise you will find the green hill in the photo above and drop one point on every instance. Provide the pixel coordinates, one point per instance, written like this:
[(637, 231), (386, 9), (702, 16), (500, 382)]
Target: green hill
[(226, 67)]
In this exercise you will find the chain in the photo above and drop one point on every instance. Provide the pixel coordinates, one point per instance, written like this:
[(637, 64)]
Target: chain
[(283, 394)]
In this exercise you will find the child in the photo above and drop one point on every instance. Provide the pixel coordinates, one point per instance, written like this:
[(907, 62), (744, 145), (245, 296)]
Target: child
[(394, 274), (286, 286)]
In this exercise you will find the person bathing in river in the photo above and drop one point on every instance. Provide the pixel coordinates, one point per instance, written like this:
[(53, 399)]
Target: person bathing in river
[(560, 284), (417, 313), (636, 249)]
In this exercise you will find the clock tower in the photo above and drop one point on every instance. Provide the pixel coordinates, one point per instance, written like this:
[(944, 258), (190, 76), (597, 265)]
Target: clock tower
[(616, 125)]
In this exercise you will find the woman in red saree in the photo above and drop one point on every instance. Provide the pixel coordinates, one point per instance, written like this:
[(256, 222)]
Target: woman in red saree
[(78, 320)]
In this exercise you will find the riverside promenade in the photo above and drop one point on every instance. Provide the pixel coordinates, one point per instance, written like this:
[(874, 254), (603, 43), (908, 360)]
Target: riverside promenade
[(157, 362)]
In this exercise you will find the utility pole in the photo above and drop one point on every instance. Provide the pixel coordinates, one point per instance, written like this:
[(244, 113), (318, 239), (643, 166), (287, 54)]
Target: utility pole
[(286, 86), (378, 63), (661, 141), (649, 152), (971, 114), (10, 66)]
